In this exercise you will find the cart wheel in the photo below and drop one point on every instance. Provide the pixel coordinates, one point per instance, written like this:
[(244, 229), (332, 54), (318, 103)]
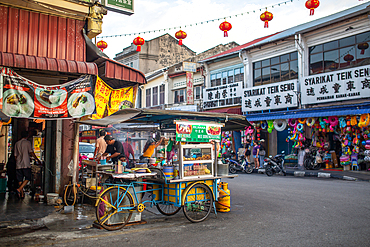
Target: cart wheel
[(109, 214), (70, 194), (198, 203), (168, 209)]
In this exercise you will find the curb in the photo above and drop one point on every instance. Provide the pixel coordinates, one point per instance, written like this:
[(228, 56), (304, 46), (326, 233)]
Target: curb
[(320, 175)]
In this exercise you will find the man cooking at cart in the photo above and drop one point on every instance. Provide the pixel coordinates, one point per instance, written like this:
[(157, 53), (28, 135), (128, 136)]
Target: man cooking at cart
[(115, 149)]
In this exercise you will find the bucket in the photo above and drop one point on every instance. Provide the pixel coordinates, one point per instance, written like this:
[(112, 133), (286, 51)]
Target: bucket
[(51, 198), (223, 202), (168, 171), (41, 198), (103, 161)]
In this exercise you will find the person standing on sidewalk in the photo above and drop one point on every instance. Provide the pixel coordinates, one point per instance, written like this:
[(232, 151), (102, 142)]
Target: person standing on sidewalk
[(100, 145), (22, 152), (262, 153), (255, 153)]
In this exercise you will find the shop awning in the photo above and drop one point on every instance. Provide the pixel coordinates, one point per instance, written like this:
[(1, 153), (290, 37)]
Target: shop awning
[(4, 117), (227, 110), (166, 117), (117, 75), (344, 110), (49, 64)]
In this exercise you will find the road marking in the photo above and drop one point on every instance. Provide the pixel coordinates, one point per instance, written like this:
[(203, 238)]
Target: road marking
[(299, 174), (323, 175)]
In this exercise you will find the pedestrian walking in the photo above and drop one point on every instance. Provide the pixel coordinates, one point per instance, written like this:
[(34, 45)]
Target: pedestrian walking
[(23, 152)]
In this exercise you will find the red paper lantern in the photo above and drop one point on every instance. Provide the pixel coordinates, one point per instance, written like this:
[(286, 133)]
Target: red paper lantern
[(348, 58), (266, 17), (312, 5), (180, 35), (138, 41), (102, 45), (225, 26), (363, 47)]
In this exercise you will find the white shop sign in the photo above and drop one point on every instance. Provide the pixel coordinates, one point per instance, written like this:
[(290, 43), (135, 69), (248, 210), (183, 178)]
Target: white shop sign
[(336, 86), (270, 96), (222, 96)]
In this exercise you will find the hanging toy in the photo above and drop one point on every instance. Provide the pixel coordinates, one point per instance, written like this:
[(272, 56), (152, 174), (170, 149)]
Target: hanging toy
[(333, 121), (310, 121), (302, 120), (342, 122), (292, 122), (364, 120), (353, 120), (280, 124), (263, 125), (270, 124)]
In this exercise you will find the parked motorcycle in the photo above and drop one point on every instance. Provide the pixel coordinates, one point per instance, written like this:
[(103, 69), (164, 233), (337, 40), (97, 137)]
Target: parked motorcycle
[(275, 165), (239, 165), (313, 158)]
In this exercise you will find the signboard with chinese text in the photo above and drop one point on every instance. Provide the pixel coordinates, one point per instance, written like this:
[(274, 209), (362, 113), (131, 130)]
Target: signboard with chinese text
[(120, 6), (189, 88), (336, 86), (109, 100), (88, 133), (197, 132), (270, 96), (222, 96), (189, 67), (27, 99)]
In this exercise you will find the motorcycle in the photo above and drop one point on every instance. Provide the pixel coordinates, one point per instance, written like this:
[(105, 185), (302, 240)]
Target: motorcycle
[(313, 158), (275, 165), (239, 165)]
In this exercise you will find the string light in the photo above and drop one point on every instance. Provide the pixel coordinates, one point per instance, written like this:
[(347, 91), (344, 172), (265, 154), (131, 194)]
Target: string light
[(203, 22)]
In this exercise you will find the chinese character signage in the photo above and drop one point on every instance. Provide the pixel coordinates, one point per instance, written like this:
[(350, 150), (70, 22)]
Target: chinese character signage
[(109, 100), (189, 67), (336, 86), (27, 99), (189, 88), (270, 96), (120, 6), (222, 96), (197, 132)]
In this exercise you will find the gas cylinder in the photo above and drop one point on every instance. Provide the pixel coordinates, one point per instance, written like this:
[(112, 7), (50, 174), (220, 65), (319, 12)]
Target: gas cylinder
[(223, 203)]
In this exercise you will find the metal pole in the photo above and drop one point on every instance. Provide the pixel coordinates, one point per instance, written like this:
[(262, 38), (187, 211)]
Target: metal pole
[(58, 154), (75, 153)]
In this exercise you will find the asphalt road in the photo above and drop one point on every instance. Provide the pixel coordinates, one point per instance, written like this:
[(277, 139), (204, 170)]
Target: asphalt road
[(266, 211)]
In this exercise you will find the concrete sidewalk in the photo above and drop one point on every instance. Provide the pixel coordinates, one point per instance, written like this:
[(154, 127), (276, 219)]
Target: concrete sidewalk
[(330, 173)]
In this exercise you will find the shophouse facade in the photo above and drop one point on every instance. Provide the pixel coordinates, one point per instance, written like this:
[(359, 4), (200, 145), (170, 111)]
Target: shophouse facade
[(314, 71), (50, 44)]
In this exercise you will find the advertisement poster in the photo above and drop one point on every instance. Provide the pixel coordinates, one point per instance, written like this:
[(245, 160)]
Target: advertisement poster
[(190, 132), (278, 95), (27, 99), (336, 86), (109, 100)]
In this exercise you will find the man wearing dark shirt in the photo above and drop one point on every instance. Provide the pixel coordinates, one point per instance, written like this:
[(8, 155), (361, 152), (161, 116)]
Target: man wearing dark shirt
[(114, 148)]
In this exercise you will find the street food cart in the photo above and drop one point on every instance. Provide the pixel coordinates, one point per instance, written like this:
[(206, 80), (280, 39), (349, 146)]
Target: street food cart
[(189, 180)]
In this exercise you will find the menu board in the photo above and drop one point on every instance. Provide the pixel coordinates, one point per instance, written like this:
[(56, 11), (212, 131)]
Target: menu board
[(197, 132)]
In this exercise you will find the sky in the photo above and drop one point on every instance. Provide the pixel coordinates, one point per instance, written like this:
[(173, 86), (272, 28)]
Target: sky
[(153, 15)]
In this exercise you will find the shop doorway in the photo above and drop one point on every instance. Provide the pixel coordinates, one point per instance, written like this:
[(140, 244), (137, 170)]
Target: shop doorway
[(282, 144)]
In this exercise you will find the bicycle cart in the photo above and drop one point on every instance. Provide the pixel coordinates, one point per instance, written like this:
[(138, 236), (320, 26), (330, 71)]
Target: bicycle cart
[(190, 179)]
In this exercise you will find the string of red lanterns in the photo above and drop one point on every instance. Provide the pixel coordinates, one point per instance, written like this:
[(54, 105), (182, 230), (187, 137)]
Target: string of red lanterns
[(226, 26)]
